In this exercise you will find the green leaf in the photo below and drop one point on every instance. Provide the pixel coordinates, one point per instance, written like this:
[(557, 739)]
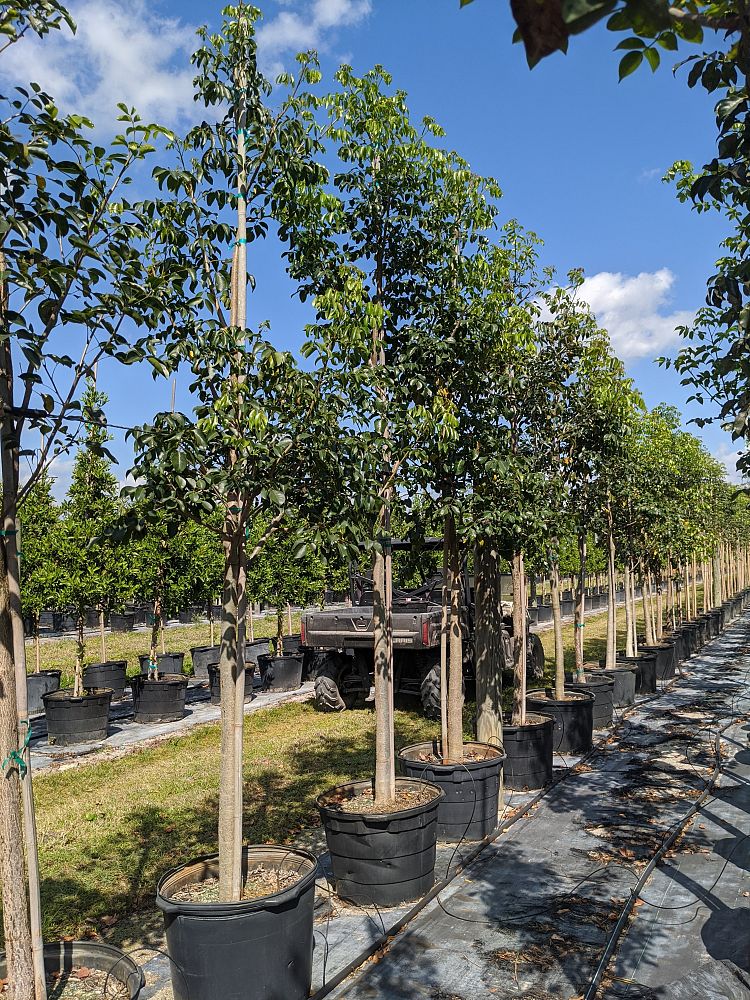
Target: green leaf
[(653, 58), (629, 64)]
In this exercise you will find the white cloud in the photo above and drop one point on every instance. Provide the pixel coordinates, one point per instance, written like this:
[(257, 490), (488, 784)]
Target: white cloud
[(727, 455), (120, 53), (306, 27), (633, 310)]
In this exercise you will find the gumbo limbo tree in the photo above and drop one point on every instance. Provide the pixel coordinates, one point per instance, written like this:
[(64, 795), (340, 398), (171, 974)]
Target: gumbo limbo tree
[(264, 436), (72, 273)]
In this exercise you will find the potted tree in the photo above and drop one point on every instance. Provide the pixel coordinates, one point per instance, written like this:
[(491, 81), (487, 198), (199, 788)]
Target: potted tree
[(40, 581), (91, 572)]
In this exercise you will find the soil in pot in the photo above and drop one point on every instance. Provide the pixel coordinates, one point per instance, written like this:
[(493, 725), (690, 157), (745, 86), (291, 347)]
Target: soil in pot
[(257, 948), (111, 674), (83, 719), (573, 715), (214, 682), (160, 700), (471, 786), (87, 970), (166, 663), (37, 685), (280, 673), (386, 857), (528, 752)]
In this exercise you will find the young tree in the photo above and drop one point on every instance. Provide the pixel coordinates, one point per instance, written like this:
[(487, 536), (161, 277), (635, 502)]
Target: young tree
[(71, 272), (41, 576), (94, 569)]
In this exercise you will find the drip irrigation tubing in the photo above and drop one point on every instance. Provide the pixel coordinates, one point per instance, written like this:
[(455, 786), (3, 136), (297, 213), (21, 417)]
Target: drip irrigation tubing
[(385, 938)]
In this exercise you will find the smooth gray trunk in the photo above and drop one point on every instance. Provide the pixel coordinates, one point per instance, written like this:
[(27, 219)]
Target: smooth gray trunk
[(558, 630), (519, 641), (487, 645), (580, 608)]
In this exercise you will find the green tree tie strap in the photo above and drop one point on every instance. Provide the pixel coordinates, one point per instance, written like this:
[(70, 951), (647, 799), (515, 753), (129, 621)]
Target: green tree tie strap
[(16, 756)]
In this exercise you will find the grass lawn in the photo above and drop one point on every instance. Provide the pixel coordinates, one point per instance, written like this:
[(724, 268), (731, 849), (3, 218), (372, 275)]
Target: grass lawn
[(108, 829), (60, 654)]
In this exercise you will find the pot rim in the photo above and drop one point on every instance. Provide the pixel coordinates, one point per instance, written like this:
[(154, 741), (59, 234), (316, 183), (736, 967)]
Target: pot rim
[(498, 757), (106, 663), (66, 694), (51, 672), (223, 909), (58, 949), (530, 726), (357, 817), (534, 695)]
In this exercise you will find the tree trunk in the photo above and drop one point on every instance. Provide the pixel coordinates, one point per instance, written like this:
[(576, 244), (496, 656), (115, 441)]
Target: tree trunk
[(382, 623), (716, 574), (80, 653), (279, 630), (558, 629), (12, 875), (580, 608), (634, 606), (628, 613), (648, 621), (694, 575), (453, 750), (102, 637), (232, 680), (155, 629), (249, 619), (519, 641), (289, 618), (37, 647), (487, 645), (444, 634), (611, 655)]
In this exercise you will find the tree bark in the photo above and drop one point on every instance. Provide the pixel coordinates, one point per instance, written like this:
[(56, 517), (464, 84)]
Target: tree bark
[(102, 637), (385, 768), (232, 681), (716, 576), (648, 621), (453, 748), (611, 655), (519, 641), (558, 630), (487, 645), (628, 613), (580, 607), (80, 653)]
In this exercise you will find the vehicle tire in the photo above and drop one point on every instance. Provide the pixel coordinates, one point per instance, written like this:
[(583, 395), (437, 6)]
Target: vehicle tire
[(535, 657), (341, 683), (430, 692)]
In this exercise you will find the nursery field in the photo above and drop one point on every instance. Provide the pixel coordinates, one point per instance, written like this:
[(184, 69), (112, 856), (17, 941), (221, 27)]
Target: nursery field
[(108, 830), (60, 654)]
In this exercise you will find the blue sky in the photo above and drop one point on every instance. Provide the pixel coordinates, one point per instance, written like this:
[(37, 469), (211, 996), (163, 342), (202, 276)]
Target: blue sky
[(579, 157)]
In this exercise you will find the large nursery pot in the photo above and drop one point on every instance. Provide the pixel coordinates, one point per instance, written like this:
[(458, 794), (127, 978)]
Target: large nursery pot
[(255, 649), (110, 674), (567, 607), (160, 700), (573, 717), (666, 659), (37, 685), (281, 673), (624, 678), (544, 614), (63, 959), (81, 719), (122, 621), (528, 752), (602, 687), (533, 614), (381, 858), (645, 682), (472, 787), (201, 656), (214, 682), (91, 618), (675, 639), (254, 949), (166, 663)]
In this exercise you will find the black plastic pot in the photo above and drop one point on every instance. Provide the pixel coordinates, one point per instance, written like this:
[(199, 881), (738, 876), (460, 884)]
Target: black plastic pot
[(602, 687), (64, 956), (567, 607), (666, 659), (201, 657), (280, 673), (472, 788), (533, 614), (646, 677), (214, 682), (121, 621), (690, 635), (255, 649), (166, 663), (544, 614), (159, 701), (381, 858), (255, 949), (574, 719), (588, 603), (679, 643), (111, 674), (528, 752), (37, 685), (91, 618), (624, 678), (77, 720), (291, 643)]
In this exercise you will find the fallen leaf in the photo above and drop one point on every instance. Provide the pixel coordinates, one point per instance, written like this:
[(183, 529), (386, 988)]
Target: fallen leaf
[(83, 972)]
